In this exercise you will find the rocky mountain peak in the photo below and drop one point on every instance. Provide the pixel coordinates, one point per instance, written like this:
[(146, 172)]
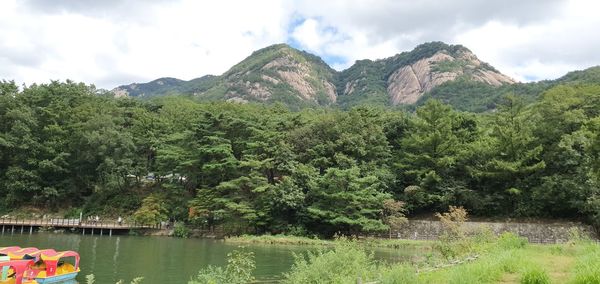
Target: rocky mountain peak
[(281, 73), (410, 82), (277, 71)]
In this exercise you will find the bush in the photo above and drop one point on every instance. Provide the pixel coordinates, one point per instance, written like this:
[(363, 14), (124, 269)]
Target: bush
[(451, 248), (239, 269), (346, 263), (535, 275), (509, 240), (152, 211), (180, 230), (299, 231), (73, 213), (453, 242)]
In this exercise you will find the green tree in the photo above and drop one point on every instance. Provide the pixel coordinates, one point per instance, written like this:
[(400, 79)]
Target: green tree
[(508, 159), (347, 201), (428, 154), (152, 211)]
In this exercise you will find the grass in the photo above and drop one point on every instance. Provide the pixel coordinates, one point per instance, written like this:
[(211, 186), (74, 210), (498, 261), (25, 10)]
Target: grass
[(535, 275), (278, 240), (296, 240), (485, 259), (587, 267), (506, 259)]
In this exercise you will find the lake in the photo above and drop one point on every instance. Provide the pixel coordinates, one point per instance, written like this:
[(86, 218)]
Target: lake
[(162, 260)]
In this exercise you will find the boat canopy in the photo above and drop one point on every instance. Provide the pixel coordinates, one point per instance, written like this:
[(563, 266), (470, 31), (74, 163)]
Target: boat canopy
[(37, 254), (6, 250), (19, 267), (51, 258), (20, 253)]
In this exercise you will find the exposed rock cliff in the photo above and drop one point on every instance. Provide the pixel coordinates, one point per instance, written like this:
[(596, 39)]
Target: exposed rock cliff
[(278, 73), (408, 83)]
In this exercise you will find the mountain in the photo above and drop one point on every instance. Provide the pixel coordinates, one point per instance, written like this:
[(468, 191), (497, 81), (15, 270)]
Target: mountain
[(406, 77), (166, 86), (476, 96), (277, 73), (588, 76), (280, 73)]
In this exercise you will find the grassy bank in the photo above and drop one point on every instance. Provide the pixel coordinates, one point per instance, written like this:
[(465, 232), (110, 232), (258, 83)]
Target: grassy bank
[(295, 240), (480, 259), (505, 260)]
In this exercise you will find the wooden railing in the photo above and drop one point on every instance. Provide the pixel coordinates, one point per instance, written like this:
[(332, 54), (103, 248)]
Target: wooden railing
[(76, 223)]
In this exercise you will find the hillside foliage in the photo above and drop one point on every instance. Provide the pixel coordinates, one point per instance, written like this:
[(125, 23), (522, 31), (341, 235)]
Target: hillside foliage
[(252, 168)]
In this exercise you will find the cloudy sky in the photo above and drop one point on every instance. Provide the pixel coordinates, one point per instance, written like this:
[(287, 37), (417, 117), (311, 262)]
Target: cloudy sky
[(112, 42)]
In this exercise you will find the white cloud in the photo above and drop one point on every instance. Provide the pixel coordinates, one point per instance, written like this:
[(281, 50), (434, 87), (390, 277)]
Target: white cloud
[(184, 39), (311, 36), (329, 42), (542, 50), (523, 38), (118, 42)]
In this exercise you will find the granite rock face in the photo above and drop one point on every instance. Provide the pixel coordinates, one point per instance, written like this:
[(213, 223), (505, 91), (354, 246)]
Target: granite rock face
[(408, 83)]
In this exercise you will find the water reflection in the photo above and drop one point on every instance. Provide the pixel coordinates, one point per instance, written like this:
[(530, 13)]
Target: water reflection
[(116, 256), (163, 259)]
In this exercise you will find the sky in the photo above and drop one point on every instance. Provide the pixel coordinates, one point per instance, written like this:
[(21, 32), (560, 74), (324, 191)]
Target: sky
[(114, 42)]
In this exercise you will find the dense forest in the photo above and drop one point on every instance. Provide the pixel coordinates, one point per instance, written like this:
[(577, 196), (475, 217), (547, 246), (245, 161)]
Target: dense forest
[(258, 168)]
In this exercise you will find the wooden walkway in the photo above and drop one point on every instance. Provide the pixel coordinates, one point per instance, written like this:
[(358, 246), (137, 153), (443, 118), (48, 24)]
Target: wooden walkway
[(12, 225)]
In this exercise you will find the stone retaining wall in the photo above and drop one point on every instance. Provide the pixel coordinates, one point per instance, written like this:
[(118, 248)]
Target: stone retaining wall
[(557, 232)]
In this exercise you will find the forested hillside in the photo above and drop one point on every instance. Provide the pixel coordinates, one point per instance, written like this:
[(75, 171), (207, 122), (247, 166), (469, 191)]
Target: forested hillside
[(264, 168)]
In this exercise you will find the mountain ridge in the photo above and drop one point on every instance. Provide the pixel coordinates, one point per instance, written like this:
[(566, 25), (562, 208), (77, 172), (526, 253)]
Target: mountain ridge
[(281, 73)]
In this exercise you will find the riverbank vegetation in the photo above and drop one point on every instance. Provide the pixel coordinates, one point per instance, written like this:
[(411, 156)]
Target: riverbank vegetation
[(246, 168), (487, 259), (298, 240)]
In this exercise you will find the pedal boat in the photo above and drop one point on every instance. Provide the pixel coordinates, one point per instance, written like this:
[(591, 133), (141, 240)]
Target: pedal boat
[(13, 271), (49, 266)]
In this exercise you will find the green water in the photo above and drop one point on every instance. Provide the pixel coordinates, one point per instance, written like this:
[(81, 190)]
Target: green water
[(162, 260)]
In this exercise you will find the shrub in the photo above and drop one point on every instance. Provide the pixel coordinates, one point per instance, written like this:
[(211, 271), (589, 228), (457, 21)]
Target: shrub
[(180, 230), (509, 240), (453, 222), (239, 269), (299, 231), (152, 211), (453, 241), (535, 275), (346, 263), (73, 213), (393, 215)]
